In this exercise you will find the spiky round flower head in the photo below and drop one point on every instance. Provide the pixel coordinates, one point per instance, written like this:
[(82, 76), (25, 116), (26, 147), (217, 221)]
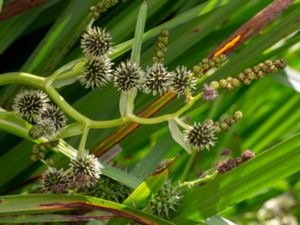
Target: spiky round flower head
[(96, 72), (182, 81), (165, 200), (54, 114), (54, 181), (95, 42), (110, 189), (201, 136), (86, 170), (28, 104), (47, 127), (156, 79), (209, 93), (128, 76)]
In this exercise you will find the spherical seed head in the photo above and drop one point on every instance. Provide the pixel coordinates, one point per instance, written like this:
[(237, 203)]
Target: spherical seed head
[(165, 200), (95, 42), (54, 181), (201, 136), (54, 114), (209, 93), (156, 79), (86, 170), (182, 81), (128, 76), (28, 104), (96, 72), (109, 189), (47, 127)]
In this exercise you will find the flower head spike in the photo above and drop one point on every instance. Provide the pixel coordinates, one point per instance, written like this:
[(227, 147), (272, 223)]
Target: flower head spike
[(95, 42), (201, 136), (54, 181), (209, 93), (182, 81), (86, 170), (54, 114), (28, 104), (165, 200), (96, 72), (156, 79), (128, 76)]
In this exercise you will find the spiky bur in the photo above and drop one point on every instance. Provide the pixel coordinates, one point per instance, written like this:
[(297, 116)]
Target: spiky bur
[(229, 164), (250, 74), (209, 93), (207, 64), (101, 7), (85, 170), (161, 47), (48, 123), (110, 189), (201, 136), (182, 81), (165, 200), (54, 181), (95, 42), (156, 79), (96, 72), (54, 114), (39, 150), (28, 104), (128, 76), (227, 122)]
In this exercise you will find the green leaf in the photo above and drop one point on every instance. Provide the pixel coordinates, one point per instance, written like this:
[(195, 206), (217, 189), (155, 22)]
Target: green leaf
[(138, 36), (140, 196), (243, 182), (42, 203), (217, 220)]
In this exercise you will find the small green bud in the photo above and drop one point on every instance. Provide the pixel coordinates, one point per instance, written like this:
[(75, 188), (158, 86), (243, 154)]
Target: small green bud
[(238, 115)]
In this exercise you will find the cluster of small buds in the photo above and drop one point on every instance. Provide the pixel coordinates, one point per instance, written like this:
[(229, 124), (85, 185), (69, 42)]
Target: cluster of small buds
[(29, 104), (101, 7), (39, 150), (109, 189), (229, 164), (226, 123), (201, 136), (85, 170), (207, 64), (165, 200), (161, 46), (156, 79), (250, 74), (54, 181)]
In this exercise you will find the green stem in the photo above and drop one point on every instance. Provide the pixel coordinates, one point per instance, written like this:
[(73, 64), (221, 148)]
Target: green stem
[(84, 136), (43, 83), (182, 124), (22, 78), (188, 166), (199, 181)]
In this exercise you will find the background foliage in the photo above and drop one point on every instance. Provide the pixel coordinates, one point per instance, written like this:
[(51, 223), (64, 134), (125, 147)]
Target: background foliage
[(44, 38)]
